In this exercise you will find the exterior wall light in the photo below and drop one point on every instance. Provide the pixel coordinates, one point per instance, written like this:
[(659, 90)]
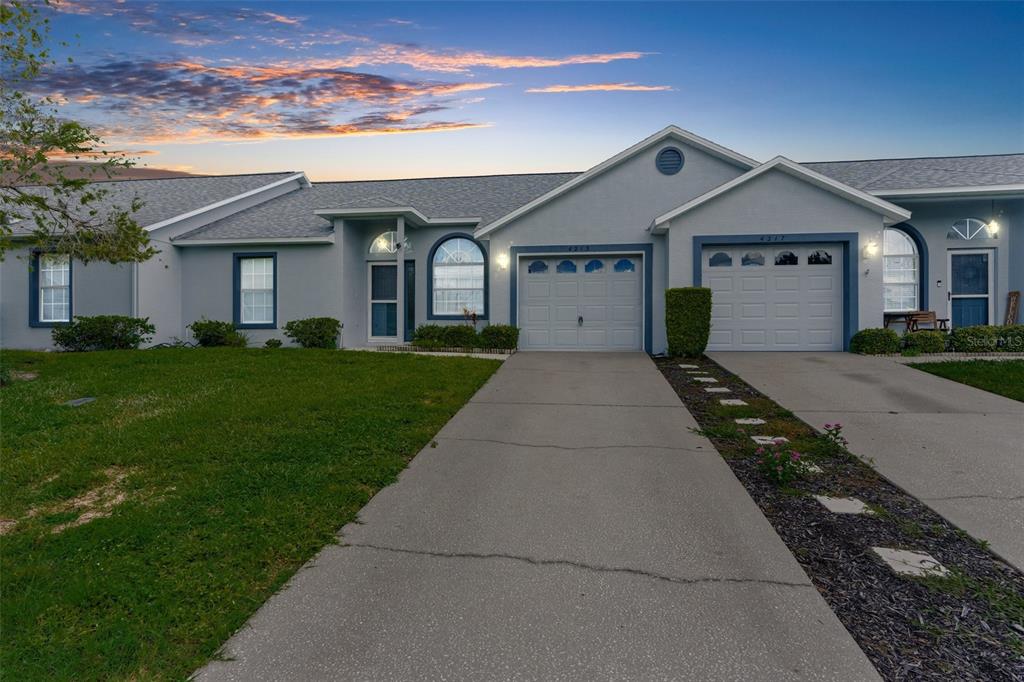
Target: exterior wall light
[(871, 249), (502, 261), (993, 226)]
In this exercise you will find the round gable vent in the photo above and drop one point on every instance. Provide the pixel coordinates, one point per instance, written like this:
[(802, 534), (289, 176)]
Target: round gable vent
[(669, 161)]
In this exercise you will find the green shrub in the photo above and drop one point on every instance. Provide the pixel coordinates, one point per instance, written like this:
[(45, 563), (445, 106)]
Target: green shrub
[(875, 342), (272, 343), (460, 336), (980, 339), (209, 333), (5, 375), (314, 332), (428, 336), (688, 320), (503, 336), (1012, 336), (927, 341), (103, 332)]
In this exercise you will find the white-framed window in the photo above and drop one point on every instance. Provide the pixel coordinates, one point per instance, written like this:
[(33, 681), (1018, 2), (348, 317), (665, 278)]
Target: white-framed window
[(457, 272), (256, 290), (971, 228), (54, 288), (386, 243), (900, 272)]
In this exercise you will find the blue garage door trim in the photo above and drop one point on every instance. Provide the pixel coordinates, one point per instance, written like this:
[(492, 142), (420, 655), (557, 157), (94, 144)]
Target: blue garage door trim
[(647, 250), (848, 240)]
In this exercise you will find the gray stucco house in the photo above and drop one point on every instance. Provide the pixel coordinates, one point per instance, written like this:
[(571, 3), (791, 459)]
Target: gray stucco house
[(799, 256)]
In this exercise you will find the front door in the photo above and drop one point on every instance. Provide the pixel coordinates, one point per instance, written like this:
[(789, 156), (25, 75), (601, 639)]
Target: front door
[(970, 287), (383, 302), (410, 299)]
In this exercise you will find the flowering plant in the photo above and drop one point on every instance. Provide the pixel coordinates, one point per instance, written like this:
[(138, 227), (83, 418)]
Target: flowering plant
[(780, 464), (834, 435)]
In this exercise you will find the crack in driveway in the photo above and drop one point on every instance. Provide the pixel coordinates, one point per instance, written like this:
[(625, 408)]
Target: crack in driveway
[(678, 580), (575, 447)]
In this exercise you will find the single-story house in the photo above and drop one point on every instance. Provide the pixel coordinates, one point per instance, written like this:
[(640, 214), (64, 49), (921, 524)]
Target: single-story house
[(799, 255)]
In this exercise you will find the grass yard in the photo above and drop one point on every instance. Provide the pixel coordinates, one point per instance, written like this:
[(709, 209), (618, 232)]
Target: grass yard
[(1005, 377), (142, 529)]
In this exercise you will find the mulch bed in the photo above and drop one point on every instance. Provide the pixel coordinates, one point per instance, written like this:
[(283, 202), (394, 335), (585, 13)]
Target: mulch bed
[(968, 626)]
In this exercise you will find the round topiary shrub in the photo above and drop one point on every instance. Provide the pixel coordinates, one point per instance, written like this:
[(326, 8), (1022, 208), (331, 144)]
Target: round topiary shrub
[(927, 341), (210, 333), (875, 342), (314, 332)]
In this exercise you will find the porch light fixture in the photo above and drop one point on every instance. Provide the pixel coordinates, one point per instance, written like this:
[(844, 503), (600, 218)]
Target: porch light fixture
[(993, 226), (502, 261), (871, 249)]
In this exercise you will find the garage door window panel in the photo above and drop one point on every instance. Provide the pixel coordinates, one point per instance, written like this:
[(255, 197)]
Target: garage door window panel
[(752, 259), (720, 259), (566, 267), (625, 265), (786, 258)]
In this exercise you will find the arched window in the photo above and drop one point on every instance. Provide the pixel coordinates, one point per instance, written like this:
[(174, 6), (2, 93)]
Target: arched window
[(786, 258), (752, 258), (720, 260), (624, 265), (971, 228), (537, 266), (594, 266), (458, 277), (386, 243), (900, 272), (566, 266)]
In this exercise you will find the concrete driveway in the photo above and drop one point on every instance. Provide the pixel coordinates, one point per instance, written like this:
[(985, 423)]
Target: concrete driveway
[(958, 449), (567, 525)]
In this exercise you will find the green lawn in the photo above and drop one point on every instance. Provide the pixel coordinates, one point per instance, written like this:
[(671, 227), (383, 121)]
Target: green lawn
[(222, 471), (1005, 377)]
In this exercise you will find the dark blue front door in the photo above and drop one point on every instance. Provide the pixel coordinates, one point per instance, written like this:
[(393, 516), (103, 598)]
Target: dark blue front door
[(969, 288)]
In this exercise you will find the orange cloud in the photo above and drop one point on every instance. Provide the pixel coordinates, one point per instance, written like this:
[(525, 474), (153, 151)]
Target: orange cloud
[(423, 59), (603, 87)]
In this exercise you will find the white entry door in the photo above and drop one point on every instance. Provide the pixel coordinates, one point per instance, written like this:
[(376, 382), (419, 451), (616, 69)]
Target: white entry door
[(775, 297), (593, 302)]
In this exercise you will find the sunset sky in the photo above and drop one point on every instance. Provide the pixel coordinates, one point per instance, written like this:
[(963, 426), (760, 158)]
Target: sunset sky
[(382, 90)]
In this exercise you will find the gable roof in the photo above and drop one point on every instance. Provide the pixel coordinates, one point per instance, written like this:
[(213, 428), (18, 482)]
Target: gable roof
[(669, 132), (482, 198), (890, 212), (929, 175), (166, 200)]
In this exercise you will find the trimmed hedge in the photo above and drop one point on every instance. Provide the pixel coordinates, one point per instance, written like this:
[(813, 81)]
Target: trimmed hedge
[(1013, 338), (210, 333), (688, 320), (980, 339), (875, 342), (103, 332), (314, 332), (495, 336), (927, 341)]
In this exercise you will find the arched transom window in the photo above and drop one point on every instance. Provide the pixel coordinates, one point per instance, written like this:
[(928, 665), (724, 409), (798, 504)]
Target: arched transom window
[(387, 243), (900, 272), (972, 228), (458, 277)]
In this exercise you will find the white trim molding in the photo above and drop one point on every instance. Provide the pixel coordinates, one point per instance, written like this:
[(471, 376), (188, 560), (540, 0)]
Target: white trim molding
[(890, 212), (325, 239), (408, 212), (670, 132), (952, 191)]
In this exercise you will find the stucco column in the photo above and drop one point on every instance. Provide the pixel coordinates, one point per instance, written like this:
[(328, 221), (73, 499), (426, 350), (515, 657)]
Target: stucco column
[(400, 258)]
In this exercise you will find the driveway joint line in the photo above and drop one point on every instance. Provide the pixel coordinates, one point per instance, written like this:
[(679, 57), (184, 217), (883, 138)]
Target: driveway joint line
[(575, 447), (678, 580), (533, 402)]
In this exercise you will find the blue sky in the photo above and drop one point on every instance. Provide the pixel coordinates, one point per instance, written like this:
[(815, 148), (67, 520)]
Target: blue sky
[(346, 90)]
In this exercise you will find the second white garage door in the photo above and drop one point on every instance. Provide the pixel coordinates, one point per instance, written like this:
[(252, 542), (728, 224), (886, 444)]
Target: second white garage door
[(775, 297), (581, 303)]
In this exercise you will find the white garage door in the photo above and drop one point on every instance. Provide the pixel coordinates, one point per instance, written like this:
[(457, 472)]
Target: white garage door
[(581, 303), (774, 297)]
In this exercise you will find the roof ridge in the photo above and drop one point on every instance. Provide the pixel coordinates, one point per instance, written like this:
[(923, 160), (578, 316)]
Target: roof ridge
[(447, 177), (183, 177), (921, 158)]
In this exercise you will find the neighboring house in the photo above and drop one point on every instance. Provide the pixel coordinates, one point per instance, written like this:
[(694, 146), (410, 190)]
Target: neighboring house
[(799, 256)]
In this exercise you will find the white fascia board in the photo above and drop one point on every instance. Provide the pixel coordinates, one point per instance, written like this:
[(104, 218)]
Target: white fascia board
[(405, 211), (670, 132), (300, 177), (890, 212), (952, 191), (326, 239)]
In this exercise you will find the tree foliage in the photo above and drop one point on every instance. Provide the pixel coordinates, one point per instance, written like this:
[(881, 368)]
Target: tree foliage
[(40, 201)]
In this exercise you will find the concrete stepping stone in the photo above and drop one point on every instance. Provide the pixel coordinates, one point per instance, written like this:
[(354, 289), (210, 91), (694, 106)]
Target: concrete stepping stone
[(717, 389), (768, 440), (695, 371), (812, 468), (750, 421), (706, 380), (843, 505), (79, 401), (906, 562), (689, 366), (730, 402)]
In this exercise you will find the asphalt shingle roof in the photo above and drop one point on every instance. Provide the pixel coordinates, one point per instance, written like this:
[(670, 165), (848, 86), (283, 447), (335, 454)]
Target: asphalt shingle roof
[(879, 175), (485, 197), (168, 197)]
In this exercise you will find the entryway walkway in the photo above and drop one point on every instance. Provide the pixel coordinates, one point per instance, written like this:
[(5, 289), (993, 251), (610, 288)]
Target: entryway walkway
[(958, 449), (567, 525)]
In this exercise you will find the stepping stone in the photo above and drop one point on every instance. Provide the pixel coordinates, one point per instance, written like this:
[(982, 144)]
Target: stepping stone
[(695, 371), (843, 505), (689, 366), (79, 401), (768, 440), (706, 380), (730, 402), (812, 468), (750, 421), (906, 562), (718, 389)]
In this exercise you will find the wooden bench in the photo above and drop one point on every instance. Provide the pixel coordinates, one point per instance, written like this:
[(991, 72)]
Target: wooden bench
[(926, 317)]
